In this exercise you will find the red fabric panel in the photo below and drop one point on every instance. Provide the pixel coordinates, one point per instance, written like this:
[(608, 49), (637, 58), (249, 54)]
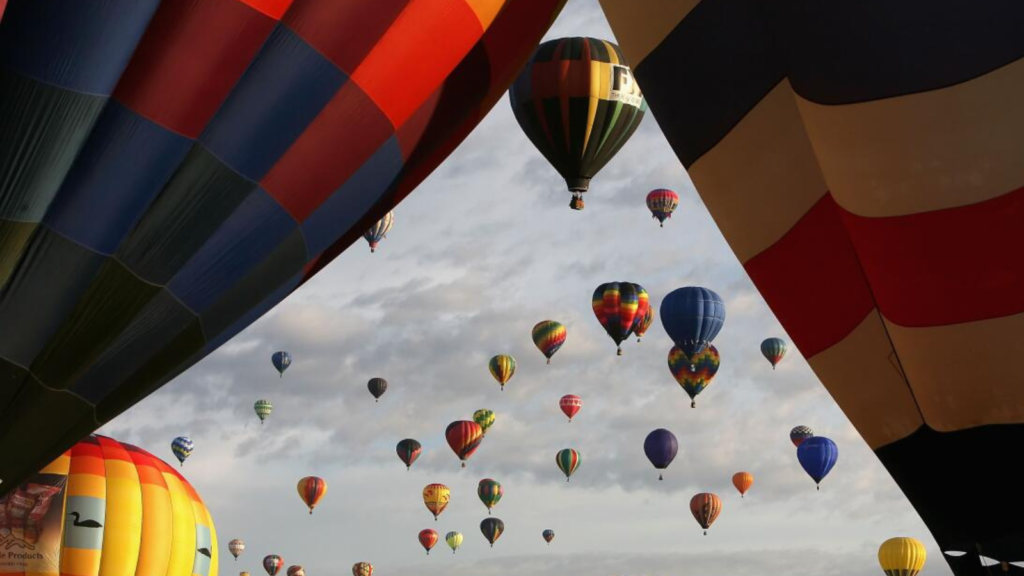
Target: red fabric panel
[(813, 281), (273, 8), (113, 450), (345, 32), (87, 458), (188, 61), (345, 134), (416, 54), (948, 266)]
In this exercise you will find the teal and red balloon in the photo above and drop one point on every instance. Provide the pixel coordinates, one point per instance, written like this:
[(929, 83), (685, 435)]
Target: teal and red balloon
[(773, 350)]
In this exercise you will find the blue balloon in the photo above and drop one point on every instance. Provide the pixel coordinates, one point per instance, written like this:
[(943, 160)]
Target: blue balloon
[(282, 360), (692, 316), (661, 448), (182, 446), (817, 455)]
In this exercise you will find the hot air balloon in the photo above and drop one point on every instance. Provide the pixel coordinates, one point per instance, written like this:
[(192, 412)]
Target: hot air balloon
[(263, 409), (485, 418), (362, 569), (773, 350), (436, 497), (902, 556), (281, 361), (662, 203), (236, 547), (188, 171), (705, 508), (617, 306), (817, 455), (743, 481), (799, 434), (428, 538), (182, 447), (273, 563), (641, 327), (694, 374), (377, 387), (63, 519), (408, 451), (692, 317), (568, 461), (502, 367), (548, 535), (570, 404), (243, 573), (311, 490), (379, 231), (454, 540), (548, 336), (492, 529), (859, 261), (577, 102), (661, 448), (296, 571), (464, 437), (489, 491)]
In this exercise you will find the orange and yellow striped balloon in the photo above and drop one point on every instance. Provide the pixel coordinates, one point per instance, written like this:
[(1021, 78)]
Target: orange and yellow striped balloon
[(502, 367), (743, 481), (549, 336), (436, 498), (311, 490), (107, 508)]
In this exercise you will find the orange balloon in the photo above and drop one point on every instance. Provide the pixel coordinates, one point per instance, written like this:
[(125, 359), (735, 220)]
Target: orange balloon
[(743, 481), (311, 490), (705, 508)]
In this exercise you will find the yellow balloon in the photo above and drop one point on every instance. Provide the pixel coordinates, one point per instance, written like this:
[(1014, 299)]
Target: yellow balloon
[(436, 497), (902, 556)]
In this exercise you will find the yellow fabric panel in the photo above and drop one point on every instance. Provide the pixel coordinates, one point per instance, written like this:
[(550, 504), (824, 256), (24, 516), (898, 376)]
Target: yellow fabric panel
[(762, 175), (59, 466), (215, 560), (874, 397), (597, 72), (79, 562), (157, 522), (902, 556), (641, 26), (123, 528), (183, 529), (975, 352), (922, 152), (613, 56), (485, 10), (87, 485)]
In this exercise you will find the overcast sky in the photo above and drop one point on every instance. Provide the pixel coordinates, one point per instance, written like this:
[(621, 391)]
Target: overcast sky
[(483, 250)]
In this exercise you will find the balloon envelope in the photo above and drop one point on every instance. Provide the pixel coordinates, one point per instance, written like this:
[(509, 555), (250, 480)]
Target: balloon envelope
[(490, 492), (464, 437), (548, 337), (661, 448), (742, 481), (436, 498), (485, 418), (662, 203), (502, 368), (902, 556), (692, 316), (311, 489), (377, 387), (454, 540), (773, 349), (166, 184), (273, 563), (800, 433), (618, 306), (817, 455), (492, 529), (695, 373), (281, 361), (571, 405), (568, 461), (705, 508), (182, 447), (428, 538), (379, 230), (236, 547), (548, 535)]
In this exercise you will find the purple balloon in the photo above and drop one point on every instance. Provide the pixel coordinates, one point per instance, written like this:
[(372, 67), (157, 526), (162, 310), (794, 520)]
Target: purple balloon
[(661, 448)]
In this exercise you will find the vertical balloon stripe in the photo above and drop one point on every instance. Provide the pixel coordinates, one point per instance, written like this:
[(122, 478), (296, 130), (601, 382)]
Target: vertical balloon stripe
[(122, 530), (183, 527), (157, 518), (87, 494)]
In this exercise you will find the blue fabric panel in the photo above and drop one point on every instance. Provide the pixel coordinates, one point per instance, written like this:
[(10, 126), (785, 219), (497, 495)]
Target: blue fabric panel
[(248, 236), (125, 163), (354, 199), (280, 94), (82, 45), (252, 315)]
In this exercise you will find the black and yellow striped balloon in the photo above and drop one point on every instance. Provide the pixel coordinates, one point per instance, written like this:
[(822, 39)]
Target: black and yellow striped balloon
[(578, 103)]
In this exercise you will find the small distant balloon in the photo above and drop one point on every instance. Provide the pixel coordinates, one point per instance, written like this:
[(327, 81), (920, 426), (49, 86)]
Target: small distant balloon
[(548, 535), (281, 361), (408, 451), (273, 564), (568, 461), (236, 547), (379, 231), (743, 481), (570, 404), (485, 418), (817, 455), (296, 571), (548, 336), (619, 306), (182, 447), (428, 538), (695, 373), (705, 508), (263, 409), (436, 498), (902, 556), (311, 490), (492, 529), (454, 540), (490, 492), (464, 437), (502, 367), (362, 569), (773, 350), (377, 387), (799, 434), (662, 203), (641, 327), (661, 448)]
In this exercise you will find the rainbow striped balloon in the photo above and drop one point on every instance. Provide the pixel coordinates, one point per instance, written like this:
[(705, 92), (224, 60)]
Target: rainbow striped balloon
[(694, 374), (662, 203), (548, 336)]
